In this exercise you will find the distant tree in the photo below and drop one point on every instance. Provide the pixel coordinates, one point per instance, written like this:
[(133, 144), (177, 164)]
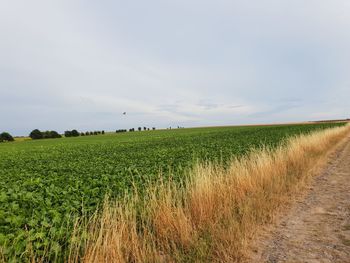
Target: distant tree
[(55, 134), (72, 133), (75, 133), (82, 134), (103, 132), (51, 135), (87, 133), (5, 136), (91, 133), (68, 133), (145, 128), (46, 134), (36, 134), (139, 128), (154, 128), (95, 132)]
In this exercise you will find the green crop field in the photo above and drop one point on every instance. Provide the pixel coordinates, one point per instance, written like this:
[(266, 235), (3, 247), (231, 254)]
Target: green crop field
[(46, 183)]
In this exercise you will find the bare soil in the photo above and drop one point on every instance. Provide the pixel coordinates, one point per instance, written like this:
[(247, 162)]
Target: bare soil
[(317, 226)]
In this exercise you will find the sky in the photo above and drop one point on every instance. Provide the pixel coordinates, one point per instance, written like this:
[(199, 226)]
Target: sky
[(74, 64)]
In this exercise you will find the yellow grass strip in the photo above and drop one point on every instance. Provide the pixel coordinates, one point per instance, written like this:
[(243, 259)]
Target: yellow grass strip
[(216, 213)]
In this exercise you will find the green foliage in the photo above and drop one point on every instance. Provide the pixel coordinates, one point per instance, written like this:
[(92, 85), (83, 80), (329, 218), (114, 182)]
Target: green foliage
[(6, 137), (36, 134), (51, 135), (75, 133), (45, 184), (72, 133)]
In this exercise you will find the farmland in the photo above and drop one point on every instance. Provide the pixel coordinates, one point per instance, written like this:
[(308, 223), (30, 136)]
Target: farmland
[(46, 183)]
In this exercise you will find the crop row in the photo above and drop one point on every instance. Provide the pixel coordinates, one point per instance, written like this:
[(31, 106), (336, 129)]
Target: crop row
[(46, 183)]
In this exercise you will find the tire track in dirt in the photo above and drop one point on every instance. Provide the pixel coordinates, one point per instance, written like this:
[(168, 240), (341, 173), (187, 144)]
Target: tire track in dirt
[(317, 228)]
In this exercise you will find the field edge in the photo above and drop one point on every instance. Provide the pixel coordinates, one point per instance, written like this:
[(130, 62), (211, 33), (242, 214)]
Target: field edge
[(215, 214)]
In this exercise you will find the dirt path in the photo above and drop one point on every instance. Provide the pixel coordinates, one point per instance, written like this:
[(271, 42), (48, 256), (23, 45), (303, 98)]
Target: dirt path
[(317, 228)]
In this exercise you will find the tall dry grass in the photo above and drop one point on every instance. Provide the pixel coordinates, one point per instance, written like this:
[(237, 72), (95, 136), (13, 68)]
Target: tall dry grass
[(213, 216)]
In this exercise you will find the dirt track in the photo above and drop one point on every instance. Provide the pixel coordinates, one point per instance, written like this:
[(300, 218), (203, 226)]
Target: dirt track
[(317, 228)]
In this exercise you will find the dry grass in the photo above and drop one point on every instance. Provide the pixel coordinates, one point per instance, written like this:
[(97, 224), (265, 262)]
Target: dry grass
[(212, 217)]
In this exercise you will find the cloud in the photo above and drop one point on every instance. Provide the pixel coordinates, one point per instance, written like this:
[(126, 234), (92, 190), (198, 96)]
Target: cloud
[(80, 64)]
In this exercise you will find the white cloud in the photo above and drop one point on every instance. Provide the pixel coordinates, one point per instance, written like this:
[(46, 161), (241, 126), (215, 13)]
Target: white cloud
[(79, 64)]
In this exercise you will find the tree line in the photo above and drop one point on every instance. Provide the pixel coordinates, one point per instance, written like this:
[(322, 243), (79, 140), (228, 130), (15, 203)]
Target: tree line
[(91, 133), (36, 134), (139, 129)]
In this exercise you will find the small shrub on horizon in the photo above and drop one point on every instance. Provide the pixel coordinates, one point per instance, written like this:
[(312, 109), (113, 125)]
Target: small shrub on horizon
[(36, 134), (72, 133), (5, 136)]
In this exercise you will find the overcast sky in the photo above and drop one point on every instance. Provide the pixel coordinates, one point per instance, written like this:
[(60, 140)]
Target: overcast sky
[(81, 64)]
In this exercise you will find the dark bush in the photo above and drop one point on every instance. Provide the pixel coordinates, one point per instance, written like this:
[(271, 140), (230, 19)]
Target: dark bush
[(36, 134), (5, 136), (75, 133), (72, 133), (103, 132), (68, 133), (55, 134), (51, 135), (46, 134)]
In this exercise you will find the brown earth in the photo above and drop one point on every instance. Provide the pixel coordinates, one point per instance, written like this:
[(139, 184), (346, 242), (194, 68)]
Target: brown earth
[(317, 226)]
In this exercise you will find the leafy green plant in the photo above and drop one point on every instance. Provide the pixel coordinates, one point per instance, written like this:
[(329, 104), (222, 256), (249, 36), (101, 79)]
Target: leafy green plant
[(46, 184), (5, 136)]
